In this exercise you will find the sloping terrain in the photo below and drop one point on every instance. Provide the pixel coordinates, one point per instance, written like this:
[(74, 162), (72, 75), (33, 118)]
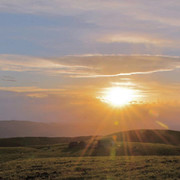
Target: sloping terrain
[(143, 136), (152, 142), (149, 136)]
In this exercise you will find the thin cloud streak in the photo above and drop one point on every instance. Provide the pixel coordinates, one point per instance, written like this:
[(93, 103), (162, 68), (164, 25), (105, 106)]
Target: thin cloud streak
[(19, 63), (29, 89), (124, 74), (89, 66), (134, 39)]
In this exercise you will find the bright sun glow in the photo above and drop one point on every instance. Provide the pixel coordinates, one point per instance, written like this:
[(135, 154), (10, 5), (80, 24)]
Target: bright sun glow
[(118, 96)]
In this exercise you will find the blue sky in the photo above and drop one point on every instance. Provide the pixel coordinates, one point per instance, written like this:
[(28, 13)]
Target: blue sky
[(57, 28), (57, 55)]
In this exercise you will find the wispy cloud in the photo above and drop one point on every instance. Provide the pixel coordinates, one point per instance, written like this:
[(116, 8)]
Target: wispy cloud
[(134, 39), (69, 27), (90, 65), (55, 7), (165, 11), (20, 63), (30, 89), (37, 95), (8, 79), (121, 65), (122, 74)]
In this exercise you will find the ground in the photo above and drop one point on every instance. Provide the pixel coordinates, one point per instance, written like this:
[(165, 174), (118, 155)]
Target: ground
[(104, 158), (122, 167)]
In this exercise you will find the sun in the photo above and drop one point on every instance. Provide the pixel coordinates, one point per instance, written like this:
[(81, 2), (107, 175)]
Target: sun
[(118, 96)]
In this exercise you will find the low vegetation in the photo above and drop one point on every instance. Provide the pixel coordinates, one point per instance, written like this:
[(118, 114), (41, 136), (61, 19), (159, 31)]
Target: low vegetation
[(125, 167), (108, 157)]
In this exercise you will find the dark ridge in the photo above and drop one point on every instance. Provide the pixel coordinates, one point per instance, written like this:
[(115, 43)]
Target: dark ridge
[(142, 136), (33, 141), (149, 136)]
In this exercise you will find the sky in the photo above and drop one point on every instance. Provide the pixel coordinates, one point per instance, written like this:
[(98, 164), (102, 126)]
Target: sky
[(58, 57)]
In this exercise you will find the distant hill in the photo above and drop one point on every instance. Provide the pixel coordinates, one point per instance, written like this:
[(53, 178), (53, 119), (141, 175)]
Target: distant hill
[(148, 136), (33, 141), (15, 128), (167, 137), (131, 143)]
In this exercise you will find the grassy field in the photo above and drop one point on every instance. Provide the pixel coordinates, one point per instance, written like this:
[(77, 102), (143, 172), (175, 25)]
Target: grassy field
[(124, 167), (60, 162), (107, 157), (62, 150)]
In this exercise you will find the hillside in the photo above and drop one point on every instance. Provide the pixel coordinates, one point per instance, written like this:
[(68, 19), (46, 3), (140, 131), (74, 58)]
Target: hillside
[(148, 136), (13, 129), (63, 150), (168, 137), (33, 141), (112, 145)]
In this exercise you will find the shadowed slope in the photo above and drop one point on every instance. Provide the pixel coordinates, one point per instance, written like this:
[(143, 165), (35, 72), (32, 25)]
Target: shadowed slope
[(149, 136)]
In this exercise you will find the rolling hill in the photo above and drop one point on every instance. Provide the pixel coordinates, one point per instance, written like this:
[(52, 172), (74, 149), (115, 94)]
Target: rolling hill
[(148, 136), (168, 137), (128, 143)]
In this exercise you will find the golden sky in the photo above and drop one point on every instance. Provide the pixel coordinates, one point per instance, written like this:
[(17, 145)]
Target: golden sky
[(100, 66)]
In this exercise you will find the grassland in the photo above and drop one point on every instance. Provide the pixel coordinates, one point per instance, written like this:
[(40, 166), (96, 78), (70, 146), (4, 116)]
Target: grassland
[(62, 150), (101, 158), (118, 162), (124, 167)]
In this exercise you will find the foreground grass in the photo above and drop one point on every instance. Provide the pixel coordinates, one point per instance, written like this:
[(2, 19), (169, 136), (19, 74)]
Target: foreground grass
[(122, 167)]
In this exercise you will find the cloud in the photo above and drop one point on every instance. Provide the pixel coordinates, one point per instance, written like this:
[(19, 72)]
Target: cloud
[(166, 12), (18, 63), (90, 65), (121, 65), (134, 39), (70, 27), (55, 7), (30, 89), (34, 92), (37, 95), (8, 79), (126, 74)]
